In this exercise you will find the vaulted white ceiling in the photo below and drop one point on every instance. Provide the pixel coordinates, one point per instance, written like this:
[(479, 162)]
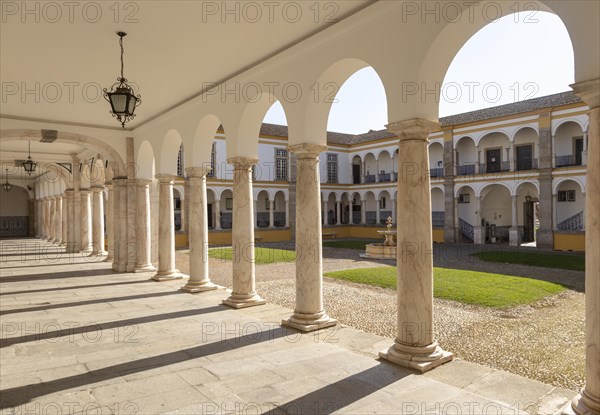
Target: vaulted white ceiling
[(172, 51)]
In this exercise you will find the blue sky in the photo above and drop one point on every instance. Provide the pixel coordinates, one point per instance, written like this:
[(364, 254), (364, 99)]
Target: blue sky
[(510, 60)]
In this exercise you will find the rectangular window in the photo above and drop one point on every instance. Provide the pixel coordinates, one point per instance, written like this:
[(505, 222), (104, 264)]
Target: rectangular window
[(566, 195), (332, 168), (281, 164), (464, 198), (229, 203)]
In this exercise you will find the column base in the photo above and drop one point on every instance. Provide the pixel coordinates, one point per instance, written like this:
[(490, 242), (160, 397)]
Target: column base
[(198, 287), (144, 268), (422, 359), (479, 235), (582, 404), (309, 322), (173, 274), (514, 237), (244, 300), (109, 259)]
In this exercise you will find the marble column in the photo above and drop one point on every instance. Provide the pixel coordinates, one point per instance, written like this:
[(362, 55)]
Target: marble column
[(166, 230), (513, 233), (394, 219), (325, 218), (363, 212), (86, 220), (588, 401), (45, 218), (64, 222), (242, 236), (143, 228), (72, 246), (287, 213), (185, 209), (98, 221), (110, 220), (309, 313), (52, 219), (217, 209), (415, 346), (120, 232), (271, 214), (338, 212), (58, 220), (198, 231), (554, 212), (378, 213)]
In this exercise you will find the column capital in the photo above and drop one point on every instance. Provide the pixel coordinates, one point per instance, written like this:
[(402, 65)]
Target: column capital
[(588, 91), (307, 151), (413, 129), (69, 192), (85, 192), (242, 163), (165, 178), (97, 189), (198, 172), (143, 182)]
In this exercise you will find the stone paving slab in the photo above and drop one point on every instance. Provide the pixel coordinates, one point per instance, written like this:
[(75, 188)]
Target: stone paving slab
[(188, 354)]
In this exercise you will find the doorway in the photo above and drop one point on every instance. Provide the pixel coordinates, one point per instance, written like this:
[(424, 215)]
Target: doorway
[(492, 160)]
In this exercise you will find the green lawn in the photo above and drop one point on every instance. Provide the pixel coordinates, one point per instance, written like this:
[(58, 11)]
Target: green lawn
[(351, 244), (572, 262), (262, 256), (470, 287)]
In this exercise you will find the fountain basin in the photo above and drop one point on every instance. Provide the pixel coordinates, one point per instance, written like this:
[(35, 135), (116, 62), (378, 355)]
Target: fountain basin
[(380, 251)]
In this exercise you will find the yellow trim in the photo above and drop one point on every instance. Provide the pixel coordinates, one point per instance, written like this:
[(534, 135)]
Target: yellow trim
[(438, 236), (570, 114), (569, 242)]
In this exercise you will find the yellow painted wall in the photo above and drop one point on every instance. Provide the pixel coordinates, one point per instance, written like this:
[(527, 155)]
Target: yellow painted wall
[(569, 242), (365, 232), (438, 236)]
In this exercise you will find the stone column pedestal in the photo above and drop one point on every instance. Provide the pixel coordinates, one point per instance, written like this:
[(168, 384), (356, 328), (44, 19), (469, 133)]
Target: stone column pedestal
[(415, 346), (309, 313), (52, 220), (98, 221), (242, 237), (143, 229), (86, 221), (198, 231), (166, 231)]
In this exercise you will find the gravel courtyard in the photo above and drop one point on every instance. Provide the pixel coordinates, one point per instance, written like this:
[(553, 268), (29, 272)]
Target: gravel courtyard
[(543, 341)]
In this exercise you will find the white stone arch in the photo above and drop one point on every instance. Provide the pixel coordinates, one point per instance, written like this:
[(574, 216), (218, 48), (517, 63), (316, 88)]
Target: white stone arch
[(370, 164), (457, 32), (204, 137), (335, 73), (458, 139), (559, 181), (567, 120), (145, 163), (483, 188), (67, 137), (436, 155), (437, 199), (520, 128), (491, 134), (244, 140), (462, 187), (523, 183), (169, 151), (97, 171)]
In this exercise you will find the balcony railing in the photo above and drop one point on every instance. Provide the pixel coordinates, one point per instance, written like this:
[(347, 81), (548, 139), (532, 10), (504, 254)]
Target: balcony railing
[(494, 168), (279, 218), (466, 229), (465, 170), (226, 219), (383, 216), (356, 216), (371, 218), (262, 219), (436, 172), (438, 219), (371, 178), (571, 160), (574, 223), (385, 177), (527, 165)]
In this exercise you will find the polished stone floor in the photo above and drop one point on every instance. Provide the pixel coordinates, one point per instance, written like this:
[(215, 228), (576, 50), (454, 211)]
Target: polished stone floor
[(79, 338)]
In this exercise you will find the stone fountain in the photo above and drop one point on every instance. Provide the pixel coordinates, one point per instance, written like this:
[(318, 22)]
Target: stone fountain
[(385, 250)]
